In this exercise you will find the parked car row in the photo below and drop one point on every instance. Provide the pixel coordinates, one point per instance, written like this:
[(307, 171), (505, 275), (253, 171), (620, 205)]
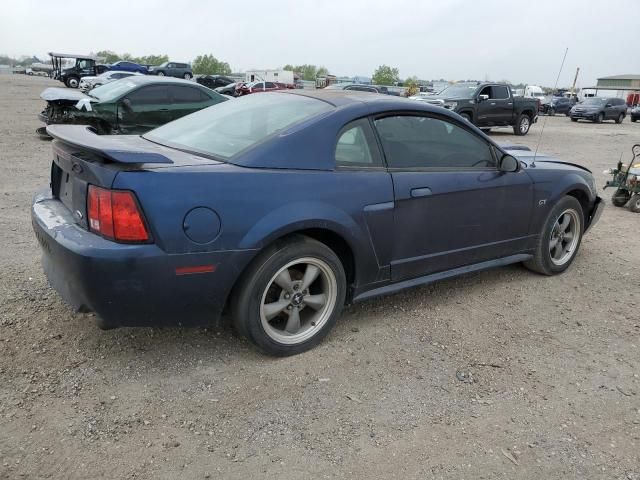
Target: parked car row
[(87, 67)]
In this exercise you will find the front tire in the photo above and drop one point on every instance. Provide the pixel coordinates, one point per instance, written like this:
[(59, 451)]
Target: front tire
[(620, 118), (523, 124), (290, 297), (466, 116), (560, 238), (599, 118), (187, 76), (574, 119), (620, 197), (161, 74), (72, 82)]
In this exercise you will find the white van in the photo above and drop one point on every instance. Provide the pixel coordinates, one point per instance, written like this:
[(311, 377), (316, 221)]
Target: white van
[(534, 91)]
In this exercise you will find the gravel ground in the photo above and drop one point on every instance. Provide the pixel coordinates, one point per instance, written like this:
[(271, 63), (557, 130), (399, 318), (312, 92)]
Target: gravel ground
[(500, 374)]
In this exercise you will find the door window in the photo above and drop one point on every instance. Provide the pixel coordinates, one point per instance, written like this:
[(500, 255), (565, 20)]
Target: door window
[(416, 142), (186, 94), (499, 92), (356, 146), (270, 85), (150, 95)]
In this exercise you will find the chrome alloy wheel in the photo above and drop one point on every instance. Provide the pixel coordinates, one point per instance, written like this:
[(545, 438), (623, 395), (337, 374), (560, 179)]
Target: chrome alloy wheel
[(298, 300), (565, 237), (525, 123)]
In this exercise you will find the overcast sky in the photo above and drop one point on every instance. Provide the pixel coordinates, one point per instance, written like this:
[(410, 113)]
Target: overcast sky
[(521, 41)]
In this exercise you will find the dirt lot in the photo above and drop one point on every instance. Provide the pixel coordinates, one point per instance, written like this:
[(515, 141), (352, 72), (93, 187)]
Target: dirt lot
[(501, 374)]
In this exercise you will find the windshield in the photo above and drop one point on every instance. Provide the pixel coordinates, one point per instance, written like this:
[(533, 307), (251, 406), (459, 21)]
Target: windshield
[(593, 101), (459, 90), (111, 91), (231, 127)]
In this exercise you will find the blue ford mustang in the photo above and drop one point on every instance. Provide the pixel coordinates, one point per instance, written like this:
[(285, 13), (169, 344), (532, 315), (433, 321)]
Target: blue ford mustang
[(282, 207)]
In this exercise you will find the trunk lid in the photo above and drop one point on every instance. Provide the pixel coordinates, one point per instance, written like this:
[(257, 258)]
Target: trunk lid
[(81, 157)]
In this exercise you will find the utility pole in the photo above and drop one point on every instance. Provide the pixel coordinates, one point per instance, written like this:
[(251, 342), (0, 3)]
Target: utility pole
[(575, 79)]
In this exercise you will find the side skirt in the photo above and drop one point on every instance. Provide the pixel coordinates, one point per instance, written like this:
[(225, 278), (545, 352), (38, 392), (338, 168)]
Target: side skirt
[(434, 277)]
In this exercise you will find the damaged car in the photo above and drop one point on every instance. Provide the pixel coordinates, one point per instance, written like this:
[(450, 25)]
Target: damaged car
[(132, 105), (87, 83)]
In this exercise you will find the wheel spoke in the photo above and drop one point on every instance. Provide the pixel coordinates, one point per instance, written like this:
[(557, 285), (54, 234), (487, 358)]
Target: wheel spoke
[(283, 280), (566, 221), (270, 310), (310, 275), (293, 324), (316, 301), (559, 250), (553, 242), (568, 236)]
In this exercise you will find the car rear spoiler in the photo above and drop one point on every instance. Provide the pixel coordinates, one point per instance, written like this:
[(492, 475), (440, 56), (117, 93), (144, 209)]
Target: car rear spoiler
[(111, 147)]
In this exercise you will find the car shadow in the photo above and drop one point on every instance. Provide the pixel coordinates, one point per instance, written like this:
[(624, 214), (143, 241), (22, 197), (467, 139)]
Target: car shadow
[(219, 343)]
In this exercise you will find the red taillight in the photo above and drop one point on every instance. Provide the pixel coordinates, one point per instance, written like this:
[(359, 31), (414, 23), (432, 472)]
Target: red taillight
[(114, 214)]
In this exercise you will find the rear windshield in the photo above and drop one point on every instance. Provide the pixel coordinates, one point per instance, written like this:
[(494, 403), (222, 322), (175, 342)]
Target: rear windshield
[(228, 128), (113, 90)]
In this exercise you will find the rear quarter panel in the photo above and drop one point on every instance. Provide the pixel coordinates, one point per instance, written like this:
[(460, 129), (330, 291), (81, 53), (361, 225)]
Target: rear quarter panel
[(257, 206)]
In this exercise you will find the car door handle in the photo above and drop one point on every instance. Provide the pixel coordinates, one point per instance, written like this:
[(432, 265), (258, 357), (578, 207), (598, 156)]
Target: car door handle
[(163, 110), (420, 192), (493, 103)]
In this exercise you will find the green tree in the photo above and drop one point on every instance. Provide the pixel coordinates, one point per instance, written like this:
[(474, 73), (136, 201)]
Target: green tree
[(306, 71), (411, 86), (151, 59), (385, 75), (210, 65), (109, 56)]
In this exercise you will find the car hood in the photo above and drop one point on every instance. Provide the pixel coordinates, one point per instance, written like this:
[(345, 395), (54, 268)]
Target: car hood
[(54, 93), (589, 107), (443, 99), (87, 79), (525, 155)]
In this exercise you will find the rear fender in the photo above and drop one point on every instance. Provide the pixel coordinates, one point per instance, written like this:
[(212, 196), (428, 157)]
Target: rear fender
[(293, 218)]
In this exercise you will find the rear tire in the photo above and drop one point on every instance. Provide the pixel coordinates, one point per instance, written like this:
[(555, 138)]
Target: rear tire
[(486, 130), (187, 76), (558, 245), (72, 82), (523, 124), (620, 197), (633, 119), (552, 112), (290, 297), (574, 119), (634, 203)]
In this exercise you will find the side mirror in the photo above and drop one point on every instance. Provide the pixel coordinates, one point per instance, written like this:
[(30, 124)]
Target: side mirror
[(509, 164), (482, 98), (126, 105), (608, 105)]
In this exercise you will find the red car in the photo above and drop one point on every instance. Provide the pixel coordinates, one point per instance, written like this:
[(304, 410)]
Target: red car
[(256, 87)]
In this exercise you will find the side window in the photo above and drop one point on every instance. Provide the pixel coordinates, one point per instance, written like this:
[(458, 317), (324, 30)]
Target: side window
[(171, 65), (356, 146), (425, 142), (150, 95), (499, 92), (185, 94), (270, 85), (486, 91)]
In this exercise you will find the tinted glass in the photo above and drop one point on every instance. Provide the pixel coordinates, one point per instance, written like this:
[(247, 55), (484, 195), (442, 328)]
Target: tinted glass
[(594, 101), (150, 95), (231, 127), (182, 94), (355, 144), (270, 85), (425, 142), (499, 92)]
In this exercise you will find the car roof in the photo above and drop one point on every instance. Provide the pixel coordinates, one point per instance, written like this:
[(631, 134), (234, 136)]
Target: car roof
[(144, 79), (356, 99)]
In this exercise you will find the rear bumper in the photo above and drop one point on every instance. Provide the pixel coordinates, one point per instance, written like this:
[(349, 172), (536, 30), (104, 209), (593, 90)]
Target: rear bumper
[(130, 285), (595, 213)]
